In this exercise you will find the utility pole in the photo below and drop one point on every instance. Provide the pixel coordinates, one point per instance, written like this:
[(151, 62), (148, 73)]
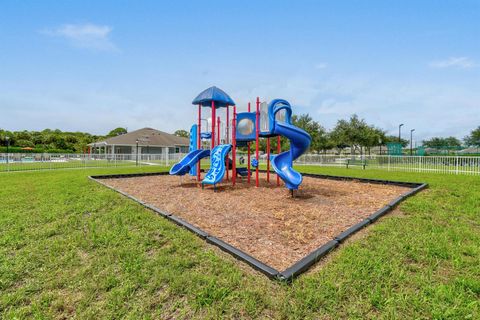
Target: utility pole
[(411, 141)]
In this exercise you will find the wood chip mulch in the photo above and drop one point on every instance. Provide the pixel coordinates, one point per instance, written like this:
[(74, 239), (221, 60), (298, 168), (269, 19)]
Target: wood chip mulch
[(265, 222)]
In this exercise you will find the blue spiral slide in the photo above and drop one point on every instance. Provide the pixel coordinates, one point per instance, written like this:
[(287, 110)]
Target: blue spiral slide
[(282, 163), (299, 143), (217, 166), (189, 161)]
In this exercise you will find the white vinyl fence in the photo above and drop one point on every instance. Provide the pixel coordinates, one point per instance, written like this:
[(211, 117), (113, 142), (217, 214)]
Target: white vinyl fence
[(434, 164), (46, 161)]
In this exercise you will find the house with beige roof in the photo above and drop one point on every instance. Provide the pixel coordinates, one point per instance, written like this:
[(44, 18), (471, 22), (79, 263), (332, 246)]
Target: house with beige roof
[(142, 141)]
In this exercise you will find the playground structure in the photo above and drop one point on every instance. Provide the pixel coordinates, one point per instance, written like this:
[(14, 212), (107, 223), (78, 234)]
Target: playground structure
[(281, 237), (268, 121)]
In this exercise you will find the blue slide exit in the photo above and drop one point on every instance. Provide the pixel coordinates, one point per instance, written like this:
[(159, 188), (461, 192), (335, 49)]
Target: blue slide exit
[(217, 167), (188, 162), (299, 143), (282, 163)]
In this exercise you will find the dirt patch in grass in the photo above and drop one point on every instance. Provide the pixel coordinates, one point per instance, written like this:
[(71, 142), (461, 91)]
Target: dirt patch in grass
[(265, 222)]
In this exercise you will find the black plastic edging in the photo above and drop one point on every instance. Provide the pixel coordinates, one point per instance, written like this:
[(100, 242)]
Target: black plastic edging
[(392, 204), (417, 189), (179, 221), (396, 201), (239, 254), (128, 175), (157, 210), (301, 265), (353, 229), (306, 262), (367, 180), (374, 217), (119, 191)]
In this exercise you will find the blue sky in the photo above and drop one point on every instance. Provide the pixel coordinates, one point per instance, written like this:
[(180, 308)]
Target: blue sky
[(95, 65)]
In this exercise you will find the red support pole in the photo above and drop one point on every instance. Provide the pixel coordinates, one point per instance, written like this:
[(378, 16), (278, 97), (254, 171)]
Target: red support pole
[(228, 140), (213, 124), (268, 159), (249, 173), (257, 138), (234, 147), (218, 131), (199, 139), (279, 149)]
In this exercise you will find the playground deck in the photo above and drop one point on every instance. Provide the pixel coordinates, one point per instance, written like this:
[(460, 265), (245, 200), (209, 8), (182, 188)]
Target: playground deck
[(265, 222)]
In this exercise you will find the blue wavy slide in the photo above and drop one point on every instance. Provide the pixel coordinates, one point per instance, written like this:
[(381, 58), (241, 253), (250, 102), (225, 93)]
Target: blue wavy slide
[(299, 143), (217, 166), (282, 163), (189, 161)]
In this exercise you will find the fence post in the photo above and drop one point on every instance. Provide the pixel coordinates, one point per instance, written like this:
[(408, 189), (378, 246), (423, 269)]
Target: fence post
[(388, 168), (456, 165)]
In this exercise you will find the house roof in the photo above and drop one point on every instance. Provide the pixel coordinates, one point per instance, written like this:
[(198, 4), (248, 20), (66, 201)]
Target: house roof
[(145, 136), (470, 150)]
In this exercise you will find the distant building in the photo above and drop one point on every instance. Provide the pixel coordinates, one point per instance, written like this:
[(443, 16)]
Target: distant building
[(148, 140), (470, 150)]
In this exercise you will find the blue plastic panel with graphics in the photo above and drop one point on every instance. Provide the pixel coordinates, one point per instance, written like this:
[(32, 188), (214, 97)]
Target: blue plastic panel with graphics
[(193, 146), (217, 166)]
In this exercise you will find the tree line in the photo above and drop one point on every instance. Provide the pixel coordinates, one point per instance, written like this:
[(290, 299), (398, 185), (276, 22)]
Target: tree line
[(356, 134), (360, 136), (52, 141), (471, 140), (353, 133)]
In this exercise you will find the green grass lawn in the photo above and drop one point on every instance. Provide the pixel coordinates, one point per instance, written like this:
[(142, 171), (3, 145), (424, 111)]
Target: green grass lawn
[(71, 247), (47, 165)]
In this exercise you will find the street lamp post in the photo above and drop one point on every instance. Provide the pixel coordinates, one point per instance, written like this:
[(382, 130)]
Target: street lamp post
[(136, 153), (411, 141), (400, 137)]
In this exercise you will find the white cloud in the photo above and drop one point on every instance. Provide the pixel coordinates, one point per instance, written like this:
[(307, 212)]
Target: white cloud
[(321, 65), (88, 36), (454, 62), (432, 109)]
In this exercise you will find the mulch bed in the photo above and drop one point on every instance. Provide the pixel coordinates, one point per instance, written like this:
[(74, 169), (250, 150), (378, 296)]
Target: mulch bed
[(265, 222)]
